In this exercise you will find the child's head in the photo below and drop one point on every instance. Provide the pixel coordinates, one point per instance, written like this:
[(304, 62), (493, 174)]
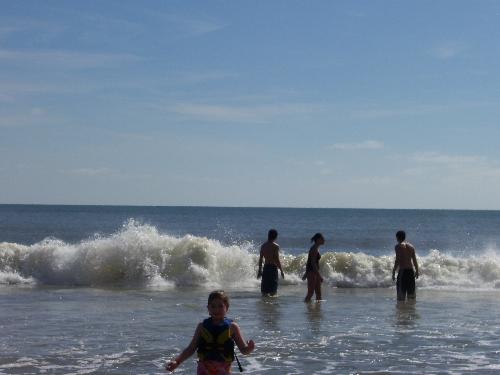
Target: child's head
[(218, 304), (219, 295), (317, 238), (400, 235), (272, 234)]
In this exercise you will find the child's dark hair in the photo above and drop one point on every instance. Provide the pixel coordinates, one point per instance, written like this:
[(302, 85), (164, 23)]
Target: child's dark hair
[(272, 234), (219, 294), (316, 237), (400, 235)]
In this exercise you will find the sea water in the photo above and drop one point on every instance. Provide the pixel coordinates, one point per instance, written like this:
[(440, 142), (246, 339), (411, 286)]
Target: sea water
[(119, 290)]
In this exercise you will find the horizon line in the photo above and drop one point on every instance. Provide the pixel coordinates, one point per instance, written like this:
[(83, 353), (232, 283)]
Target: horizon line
[(247, 207)]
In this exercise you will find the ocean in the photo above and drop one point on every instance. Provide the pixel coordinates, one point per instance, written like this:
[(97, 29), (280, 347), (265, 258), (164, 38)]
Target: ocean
[(119, 290)]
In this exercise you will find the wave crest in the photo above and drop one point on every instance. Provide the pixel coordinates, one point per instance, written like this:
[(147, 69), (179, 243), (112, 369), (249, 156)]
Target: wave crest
[(139, 255)]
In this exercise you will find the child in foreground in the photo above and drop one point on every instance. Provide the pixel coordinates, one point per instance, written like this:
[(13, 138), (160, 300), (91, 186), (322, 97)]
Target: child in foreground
[(214, 340)]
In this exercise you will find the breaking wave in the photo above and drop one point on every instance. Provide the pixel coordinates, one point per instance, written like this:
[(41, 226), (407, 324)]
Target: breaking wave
[(138, 255)]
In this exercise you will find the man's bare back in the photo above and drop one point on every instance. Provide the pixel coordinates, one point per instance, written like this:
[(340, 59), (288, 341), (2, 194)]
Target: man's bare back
[(270, 251), (405, 254)]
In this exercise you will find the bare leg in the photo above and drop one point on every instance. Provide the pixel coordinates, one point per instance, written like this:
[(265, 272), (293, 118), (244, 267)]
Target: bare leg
[(317, 289), (311, 281)]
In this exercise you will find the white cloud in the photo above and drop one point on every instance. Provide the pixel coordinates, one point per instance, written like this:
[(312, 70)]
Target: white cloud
[(416, 110), (91, 172), (200, 27), (375, 180), (66, 59), (185, 26), (466, 168), (257, 113), (7, 30), (33, 116), (204, 77), (364, 145), (447, 51), (432, 157)]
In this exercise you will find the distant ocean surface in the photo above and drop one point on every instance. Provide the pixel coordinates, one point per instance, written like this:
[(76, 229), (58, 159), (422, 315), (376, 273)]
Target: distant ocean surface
[(119, 290)]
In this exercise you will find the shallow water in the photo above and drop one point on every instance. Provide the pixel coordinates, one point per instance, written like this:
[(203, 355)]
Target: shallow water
[(85, 330), (119, 290)]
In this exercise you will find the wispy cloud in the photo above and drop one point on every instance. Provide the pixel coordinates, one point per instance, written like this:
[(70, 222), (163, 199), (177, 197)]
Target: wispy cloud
[(453, 166), (33, 116), (375, 180), (447, 51), (256, 113), (433, 157), (66, 59), (8, 89), (194, 78), (198, 27), (91, 172), (364, 145), (7, 30), (378, 113), (187, 25)]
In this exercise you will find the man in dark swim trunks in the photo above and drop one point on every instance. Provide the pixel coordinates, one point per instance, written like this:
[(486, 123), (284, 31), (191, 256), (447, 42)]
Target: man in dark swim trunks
[(405, 256), (269, 252)]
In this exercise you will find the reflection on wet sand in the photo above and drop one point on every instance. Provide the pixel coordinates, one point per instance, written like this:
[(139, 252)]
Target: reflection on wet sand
[(269, 312), (314, 315), (406, 313)]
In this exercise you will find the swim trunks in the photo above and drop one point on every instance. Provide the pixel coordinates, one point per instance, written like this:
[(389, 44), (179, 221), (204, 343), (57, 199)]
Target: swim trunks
[(269, 284), (213, 368), (405, 284)]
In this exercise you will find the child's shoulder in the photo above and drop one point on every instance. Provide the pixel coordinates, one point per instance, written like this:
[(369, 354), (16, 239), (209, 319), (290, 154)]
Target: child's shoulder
[(234, 326)]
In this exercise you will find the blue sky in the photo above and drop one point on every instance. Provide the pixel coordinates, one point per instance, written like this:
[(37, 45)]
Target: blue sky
[(378, 104)]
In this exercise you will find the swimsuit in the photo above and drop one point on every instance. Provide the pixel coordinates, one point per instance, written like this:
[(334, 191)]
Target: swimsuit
[(309, 263), (405, 284), (269, 283), (213, 368)]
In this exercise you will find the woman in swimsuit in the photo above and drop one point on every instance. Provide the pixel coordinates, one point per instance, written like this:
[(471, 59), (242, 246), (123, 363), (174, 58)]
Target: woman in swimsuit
[(314, 279)]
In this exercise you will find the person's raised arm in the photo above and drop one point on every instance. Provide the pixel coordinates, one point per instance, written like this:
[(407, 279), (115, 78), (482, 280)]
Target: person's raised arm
[(246, 347), (186, 353)]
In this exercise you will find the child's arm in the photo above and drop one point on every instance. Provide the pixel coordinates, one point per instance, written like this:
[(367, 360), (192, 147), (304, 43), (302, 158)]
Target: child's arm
[(186, 353), (245, 347)]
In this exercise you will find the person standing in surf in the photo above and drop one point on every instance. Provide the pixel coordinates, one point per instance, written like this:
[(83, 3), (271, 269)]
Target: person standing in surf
[(270, 253), (405, 262), (214, 340), (314, 278)]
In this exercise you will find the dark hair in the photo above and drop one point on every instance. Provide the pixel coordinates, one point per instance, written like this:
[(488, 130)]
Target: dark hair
[(400, 235), (219, 294), (272, 234), (316, 237)]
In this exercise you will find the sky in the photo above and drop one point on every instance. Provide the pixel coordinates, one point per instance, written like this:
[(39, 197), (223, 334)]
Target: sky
[(362, 104)]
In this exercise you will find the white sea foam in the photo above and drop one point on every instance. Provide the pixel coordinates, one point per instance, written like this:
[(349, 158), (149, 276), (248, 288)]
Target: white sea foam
[(140, 255)]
